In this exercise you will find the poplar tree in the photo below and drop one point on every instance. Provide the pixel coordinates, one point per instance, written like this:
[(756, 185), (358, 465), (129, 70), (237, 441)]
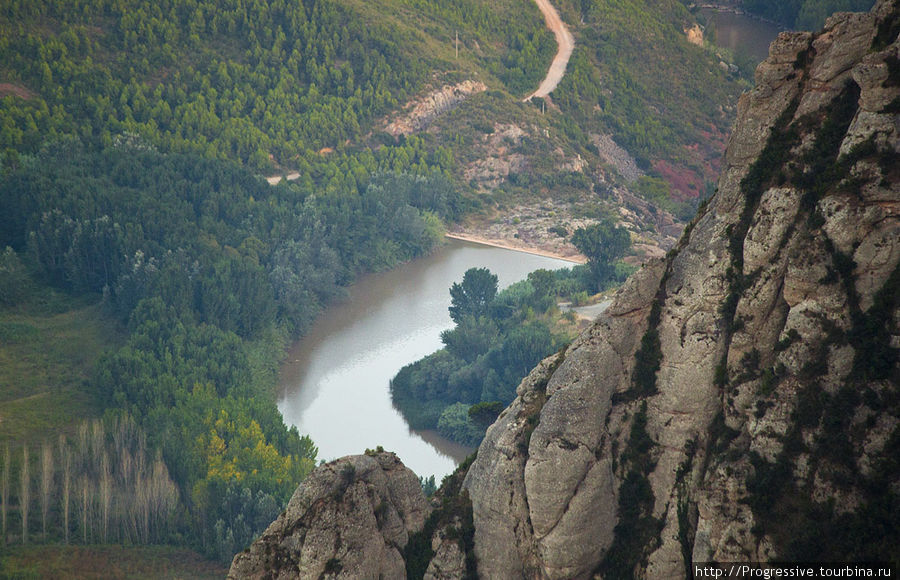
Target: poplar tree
[(65, 455), (46, 484), (105, 496), (4, 491), (24, 493), (85, 507)]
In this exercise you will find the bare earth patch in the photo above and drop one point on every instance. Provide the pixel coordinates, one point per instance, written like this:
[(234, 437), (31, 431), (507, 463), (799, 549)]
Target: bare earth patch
[(15, 90)]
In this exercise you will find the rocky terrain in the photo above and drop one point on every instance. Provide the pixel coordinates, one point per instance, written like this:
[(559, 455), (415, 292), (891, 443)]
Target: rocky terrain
[(422, 112), (738, 401), (351, 518)]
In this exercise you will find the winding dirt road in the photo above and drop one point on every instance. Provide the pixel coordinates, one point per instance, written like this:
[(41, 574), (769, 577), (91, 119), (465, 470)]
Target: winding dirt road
[(566, 43)]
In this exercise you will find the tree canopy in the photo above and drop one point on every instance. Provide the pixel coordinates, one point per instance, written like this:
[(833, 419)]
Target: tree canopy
[(603, 243), (473, 296)]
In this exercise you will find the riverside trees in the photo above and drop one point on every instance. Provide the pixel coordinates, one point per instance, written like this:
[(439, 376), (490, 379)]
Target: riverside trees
[(474, 295), (498, 338), (604, 244)]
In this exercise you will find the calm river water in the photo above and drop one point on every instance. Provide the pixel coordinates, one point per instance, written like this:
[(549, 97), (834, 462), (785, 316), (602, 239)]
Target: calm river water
[(740, 33), (335, 380)]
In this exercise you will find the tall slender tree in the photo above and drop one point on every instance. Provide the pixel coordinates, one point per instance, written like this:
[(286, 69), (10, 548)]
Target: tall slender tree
[(105, 496), (65, 455), (85, 485), (4, 491), (46, 484), (24, 493)]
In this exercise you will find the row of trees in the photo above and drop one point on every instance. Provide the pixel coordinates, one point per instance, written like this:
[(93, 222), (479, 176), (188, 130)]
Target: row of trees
[(104, 485)]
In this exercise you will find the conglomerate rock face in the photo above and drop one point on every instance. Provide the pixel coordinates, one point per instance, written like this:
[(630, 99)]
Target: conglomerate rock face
[(350, 518), (748, 382)]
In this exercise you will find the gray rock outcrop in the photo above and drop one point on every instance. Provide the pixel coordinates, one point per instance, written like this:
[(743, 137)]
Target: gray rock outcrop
[(432, 105), (350, 518)]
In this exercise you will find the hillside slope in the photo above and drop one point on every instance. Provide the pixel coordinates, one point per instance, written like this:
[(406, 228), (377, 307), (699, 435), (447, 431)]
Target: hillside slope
[(310, 90)]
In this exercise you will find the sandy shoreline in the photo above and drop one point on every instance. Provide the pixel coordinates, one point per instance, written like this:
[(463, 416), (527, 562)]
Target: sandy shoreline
[(506, 245)]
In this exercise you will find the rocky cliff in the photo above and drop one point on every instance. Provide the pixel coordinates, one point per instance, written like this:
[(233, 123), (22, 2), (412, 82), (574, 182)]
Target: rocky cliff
[(351, 518), (739, 400)]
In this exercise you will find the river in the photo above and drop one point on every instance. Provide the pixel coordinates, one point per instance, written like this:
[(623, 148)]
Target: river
[(740, 33), (335, 381)]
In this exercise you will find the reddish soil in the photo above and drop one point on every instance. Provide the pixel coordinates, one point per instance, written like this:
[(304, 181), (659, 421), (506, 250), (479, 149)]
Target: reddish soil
[(11, 89), (685, 183)]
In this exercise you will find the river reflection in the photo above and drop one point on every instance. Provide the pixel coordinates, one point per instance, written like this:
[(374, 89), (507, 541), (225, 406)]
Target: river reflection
[(335, 381), (741, 33)]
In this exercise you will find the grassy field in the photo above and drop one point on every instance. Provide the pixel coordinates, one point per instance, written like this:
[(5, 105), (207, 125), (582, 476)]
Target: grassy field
[(47, 350), (88, 562)]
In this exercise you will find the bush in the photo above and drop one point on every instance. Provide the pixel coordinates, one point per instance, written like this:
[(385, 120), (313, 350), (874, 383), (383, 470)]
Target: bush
[(456, 425), (13, 278)]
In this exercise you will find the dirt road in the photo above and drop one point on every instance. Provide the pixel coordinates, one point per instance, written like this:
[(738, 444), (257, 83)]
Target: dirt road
[(566, 43)]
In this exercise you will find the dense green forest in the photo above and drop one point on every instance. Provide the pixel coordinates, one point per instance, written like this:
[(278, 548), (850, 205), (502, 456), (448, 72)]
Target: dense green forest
[(121, 124), (270, 83), (258, 82), (804, 14)]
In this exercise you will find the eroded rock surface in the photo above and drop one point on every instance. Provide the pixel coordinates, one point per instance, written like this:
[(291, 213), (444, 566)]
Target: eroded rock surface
[(434, 104), (351, 518)]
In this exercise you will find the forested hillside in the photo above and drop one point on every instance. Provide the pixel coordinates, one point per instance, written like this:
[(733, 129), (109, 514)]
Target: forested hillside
[(257, 82), (634, 82), (635, 76), (209, 269), (125, 127)]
